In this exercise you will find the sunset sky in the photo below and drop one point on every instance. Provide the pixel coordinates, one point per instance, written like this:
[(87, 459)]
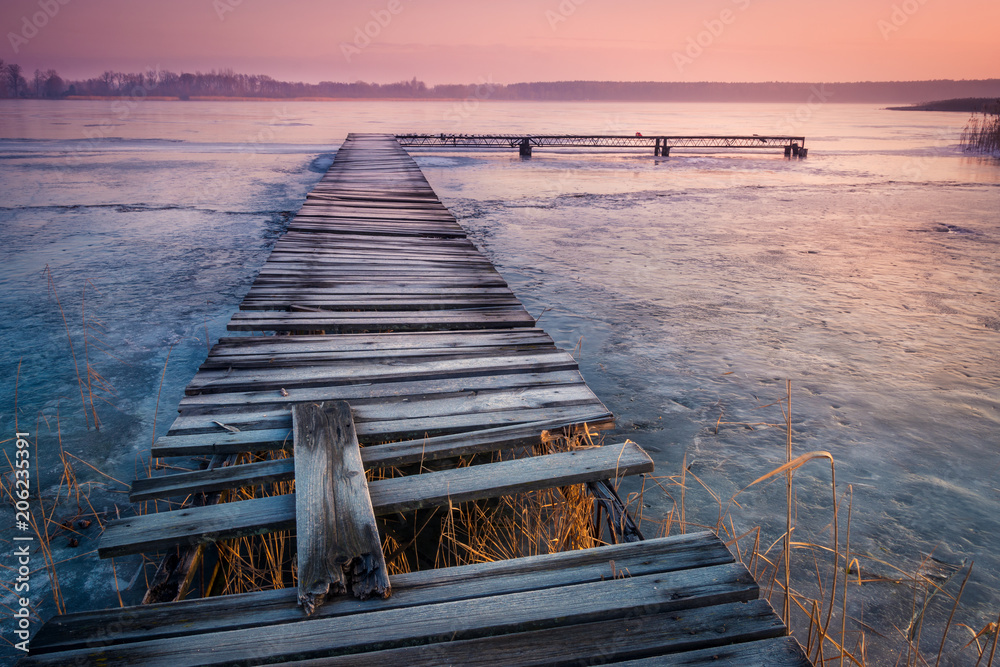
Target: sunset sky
[(460, 41)]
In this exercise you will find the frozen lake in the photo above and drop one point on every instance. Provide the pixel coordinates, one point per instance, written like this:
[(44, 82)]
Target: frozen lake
[(693, 286)]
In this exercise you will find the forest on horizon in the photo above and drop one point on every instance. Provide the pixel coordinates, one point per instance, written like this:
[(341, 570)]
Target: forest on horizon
[(48, 84)]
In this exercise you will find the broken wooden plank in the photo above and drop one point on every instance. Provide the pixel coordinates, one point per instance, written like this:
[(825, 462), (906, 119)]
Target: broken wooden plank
[(386, 455), (223, 442), (207, 481), (151, 532), (337, 540)]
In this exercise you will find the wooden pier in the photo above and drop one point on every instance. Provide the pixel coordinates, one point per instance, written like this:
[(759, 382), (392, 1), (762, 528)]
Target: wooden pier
[(375, 296), (661, 144)]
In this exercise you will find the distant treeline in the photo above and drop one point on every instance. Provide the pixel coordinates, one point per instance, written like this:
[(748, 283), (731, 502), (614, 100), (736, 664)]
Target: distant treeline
[(965, 104), (227, 83)]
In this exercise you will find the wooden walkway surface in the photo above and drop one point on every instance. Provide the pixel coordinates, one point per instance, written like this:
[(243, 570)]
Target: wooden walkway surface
[(375, 296), (671, 601)]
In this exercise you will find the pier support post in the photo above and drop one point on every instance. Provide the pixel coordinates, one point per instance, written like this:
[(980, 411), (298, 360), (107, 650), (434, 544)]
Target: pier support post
[(656, 149), (795, 150), (788, 151), (665, 149), (525, 148)]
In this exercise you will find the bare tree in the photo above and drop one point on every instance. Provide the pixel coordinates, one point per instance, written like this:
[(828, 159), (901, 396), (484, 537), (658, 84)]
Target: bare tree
[(14, 75), (53, 84)]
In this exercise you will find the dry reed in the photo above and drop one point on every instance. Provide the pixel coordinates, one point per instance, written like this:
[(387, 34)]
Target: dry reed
[(257, 562), (982, 132), (811, 615)]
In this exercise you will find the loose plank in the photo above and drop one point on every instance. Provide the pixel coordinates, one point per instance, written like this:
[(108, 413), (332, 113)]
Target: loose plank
[(373, 456), (337, 540), (268, 439)]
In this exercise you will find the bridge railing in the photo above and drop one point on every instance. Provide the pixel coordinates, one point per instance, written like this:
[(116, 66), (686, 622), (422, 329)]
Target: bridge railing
[(660, 143)]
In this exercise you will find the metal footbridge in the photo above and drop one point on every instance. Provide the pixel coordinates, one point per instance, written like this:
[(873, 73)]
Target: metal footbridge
[(661, 144)]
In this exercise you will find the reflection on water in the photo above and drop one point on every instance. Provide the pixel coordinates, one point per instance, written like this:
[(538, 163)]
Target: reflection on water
[(867, 274)]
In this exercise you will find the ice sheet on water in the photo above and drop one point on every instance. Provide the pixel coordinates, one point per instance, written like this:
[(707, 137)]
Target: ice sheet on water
[(692, 285)]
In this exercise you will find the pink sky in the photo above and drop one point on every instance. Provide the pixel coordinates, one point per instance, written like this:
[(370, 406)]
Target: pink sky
[(458, 41)]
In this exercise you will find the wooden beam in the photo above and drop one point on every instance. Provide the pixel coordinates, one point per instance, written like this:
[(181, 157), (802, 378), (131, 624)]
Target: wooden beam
[(337, 540)]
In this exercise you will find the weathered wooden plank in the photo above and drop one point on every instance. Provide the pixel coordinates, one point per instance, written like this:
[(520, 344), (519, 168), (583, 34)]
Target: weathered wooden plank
[(384, 269), (226, 365), (604, 641), (775, 652), (386, 408), (222, 442), (340, 322), (225, 442), (374, 291), (312, 240), (441, 445), (206, 481), (337, 540), (389, 370), (510, 477), (389, 260), (373, 304), (262, 515), (339, 246), (348, 227), (373, 456), (389, 430), (335, 225), (376, 215), (231, 612), (268, 399), (383, 341), (673, 596)]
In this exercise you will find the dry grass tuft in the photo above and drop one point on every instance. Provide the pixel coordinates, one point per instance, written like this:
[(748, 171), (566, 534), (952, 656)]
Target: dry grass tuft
[(816, 606), (257, 562), (524, 524), (982, 132)]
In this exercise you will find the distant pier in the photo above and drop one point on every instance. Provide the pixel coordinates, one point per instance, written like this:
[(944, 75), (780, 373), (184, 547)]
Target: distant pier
[(661, 144)]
